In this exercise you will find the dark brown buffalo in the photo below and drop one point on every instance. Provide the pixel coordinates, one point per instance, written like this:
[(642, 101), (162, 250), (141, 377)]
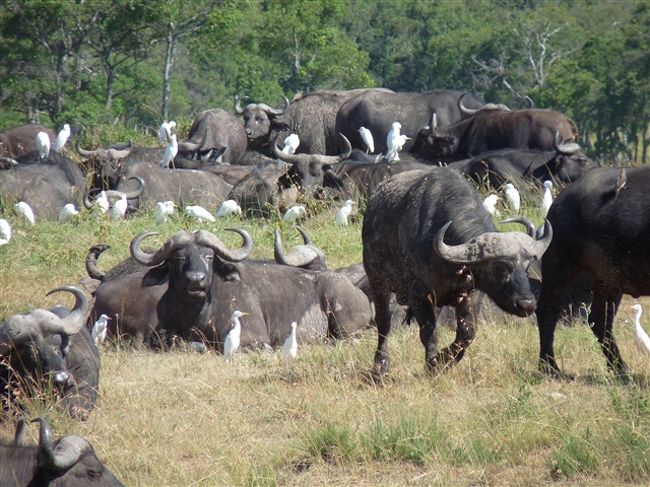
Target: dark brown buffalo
[(21, 140)]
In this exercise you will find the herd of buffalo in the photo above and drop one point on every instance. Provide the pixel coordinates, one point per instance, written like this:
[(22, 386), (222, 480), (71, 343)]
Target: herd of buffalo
[(428, 241)]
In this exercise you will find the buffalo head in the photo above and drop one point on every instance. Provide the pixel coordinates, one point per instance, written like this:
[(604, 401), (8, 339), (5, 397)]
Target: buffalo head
[(258, 117)]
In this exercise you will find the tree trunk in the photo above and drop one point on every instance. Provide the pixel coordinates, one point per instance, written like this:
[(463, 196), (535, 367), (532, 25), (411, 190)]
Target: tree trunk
[(110, 82), (169, 61)]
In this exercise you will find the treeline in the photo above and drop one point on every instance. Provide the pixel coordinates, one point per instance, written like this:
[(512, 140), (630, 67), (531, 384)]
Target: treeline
[(138, 62)]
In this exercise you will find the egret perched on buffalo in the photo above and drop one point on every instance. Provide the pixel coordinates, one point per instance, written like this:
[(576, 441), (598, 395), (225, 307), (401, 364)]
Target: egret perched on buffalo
[(165, 132), (233, 338), (641, 337), (395, 141), (43, 145), (366, 136), (199, 213), (26, 211), (294, 213), (291, 144), (170, 152), (5, 232), (229, 207), (343, 213), (61, 138), (513, 197), (163, 210)]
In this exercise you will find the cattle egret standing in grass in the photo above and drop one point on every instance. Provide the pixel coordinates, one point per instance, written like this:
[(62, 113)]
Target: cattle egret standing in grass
[(102, 203), (294, 213), (170, 152), (5, 232), (233, 338), (61, 138), (343, 214), (290, 347), (547, 197), (395, 142), (512, 195), (199, 213), (291, 144), (163, 210), (25, 210), (366, 136), (229, 207), (490, 204), (99, 330), (67, 212), (642, 338), (43, 145), (165, 132), (119, 207)]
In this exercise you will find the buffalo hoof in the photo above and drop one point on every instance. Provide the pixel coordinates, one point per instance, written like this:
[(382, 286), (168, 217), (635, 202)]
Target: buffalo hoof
[(379, 370), (552, 371)]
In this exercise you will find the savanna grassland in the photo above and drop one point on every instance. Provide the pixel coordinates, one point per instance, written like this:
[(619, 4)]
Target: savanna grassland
[(186, 419)]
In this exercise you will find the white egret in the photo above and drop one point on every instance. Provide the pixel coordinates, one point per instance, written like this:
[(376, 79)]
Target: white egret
[(294, 213), (513, 197), (395, 142), (170, 152), (199, 213), (165, 132), (25, 210), (343, 214), (229, 207), (61, 138), (99, 329), (163, 210), (102, 203), (291, 144), (67, 212), (366, 136), (642, 338), (547, 197), (490, 204), (233, 338), (290, 346), (118, 211), (43, 145), (5, 232)]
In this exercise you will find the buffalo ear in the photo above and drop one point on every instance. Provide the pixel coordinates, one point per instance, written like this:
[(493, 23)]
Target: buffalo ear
[(155, 276), (227, 271), (279, 125)]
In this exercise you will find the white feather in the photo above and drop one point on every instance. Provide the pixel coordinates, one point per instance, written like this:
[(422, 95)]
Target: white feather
[(61, 138), (366, 136), (513, 197), (291, 144), (343, 214), (43, 145), (67, 212), (170, 152), (290, 346), (165, 132), (394, 142), (163, 210), (490, 204), (118, 211), (199, 213), (26, 211), (547, 197), (233, 338), (229, 207), (642, 338), (99, 329), (294, 213), (5, 232)]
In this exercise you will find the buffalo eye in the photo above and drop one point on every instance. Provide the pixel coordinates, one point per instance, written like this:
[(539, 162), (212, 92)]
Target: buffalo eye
[(94, 475), (503, 270)]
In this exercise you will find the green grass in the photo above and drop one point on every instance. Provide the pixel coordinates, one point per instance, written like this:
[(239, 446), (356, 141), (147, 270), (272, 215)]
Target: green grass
[(180, 418)]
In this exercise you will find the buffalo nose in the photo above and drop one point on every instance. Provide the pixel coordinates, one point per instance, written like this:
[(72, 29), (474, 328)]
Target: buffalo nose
[(249, 131), (61, 377), (527, 305), (195, 277)]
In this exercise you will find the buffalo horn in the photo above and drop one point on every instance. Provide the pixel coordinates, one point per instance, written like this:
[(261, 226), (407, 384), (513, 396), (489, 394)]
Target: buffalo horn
[(530, 226), (175, 241), (275, 111), (300, 256), (569, 148), (305, 238), (75, 320), (91, 261), (188, 146), (203, 237), (84, 152), (9, 160), (463, 108), (68, 449)]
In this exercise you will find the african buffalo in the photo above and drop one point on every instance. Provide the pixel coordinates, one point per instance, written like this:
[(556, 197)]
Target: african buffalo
[(51, 345), (312, 117), (602, 234), (215, 135), (21, 140), (427, 238), (69, 461), (495, 128), (377, 110)]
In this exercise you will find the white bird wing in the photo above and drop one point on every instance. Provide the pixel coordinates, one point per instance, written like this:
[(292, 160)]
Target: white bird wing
[(5, 229), (642, 339)]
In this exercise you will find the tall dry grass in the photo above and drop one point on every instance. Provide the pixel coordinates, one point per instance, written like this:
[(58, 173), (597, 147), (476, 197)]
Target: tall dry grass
[(186, 419)]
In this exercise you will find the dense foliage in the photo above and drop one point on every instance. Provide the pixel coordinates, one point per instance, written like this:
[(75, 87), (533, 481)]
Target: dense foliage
[(140, 61)]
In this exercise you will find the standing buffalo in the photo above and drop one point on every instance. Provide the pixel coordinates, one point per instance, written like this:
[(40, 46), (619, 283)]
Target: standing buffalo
[(215, 135), (312, 117), (69, 461), (602, 236), (377, 110), (21, 140), (427, 238), (50, 345)]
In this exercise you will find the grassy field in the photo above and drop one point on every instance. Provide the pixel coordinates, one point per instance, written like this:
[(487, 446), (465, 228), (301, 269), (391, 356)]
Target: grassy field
[(185, 419)]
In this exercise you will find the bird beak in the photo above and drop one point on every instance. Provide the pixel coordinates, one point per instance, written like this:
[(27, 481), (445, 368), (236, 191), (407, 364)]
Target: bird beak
[(245, 314)]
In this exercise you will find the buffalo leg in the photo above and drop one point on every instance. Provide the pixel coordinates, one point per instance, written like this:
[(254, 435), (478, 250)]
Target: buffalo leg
[(382, 320), (601, 318), (465, 333), (423, 312)]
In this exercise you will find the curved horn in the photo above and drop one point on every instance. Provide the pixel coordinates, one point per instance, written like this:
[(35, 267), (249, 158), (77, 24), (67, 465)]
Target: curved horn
[(91, 261), (276, 111), (115, 154), (461, 254), (568, 149), (77, 317), (531, 103), (84, 152), (463, 108), (136, 192), (530, 226), (542, 244), (175, 241), (19, 436), (68, 449), (238, 109), (299, 256), (187, 146), (203, 237), (283, 156), (305, 238)]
